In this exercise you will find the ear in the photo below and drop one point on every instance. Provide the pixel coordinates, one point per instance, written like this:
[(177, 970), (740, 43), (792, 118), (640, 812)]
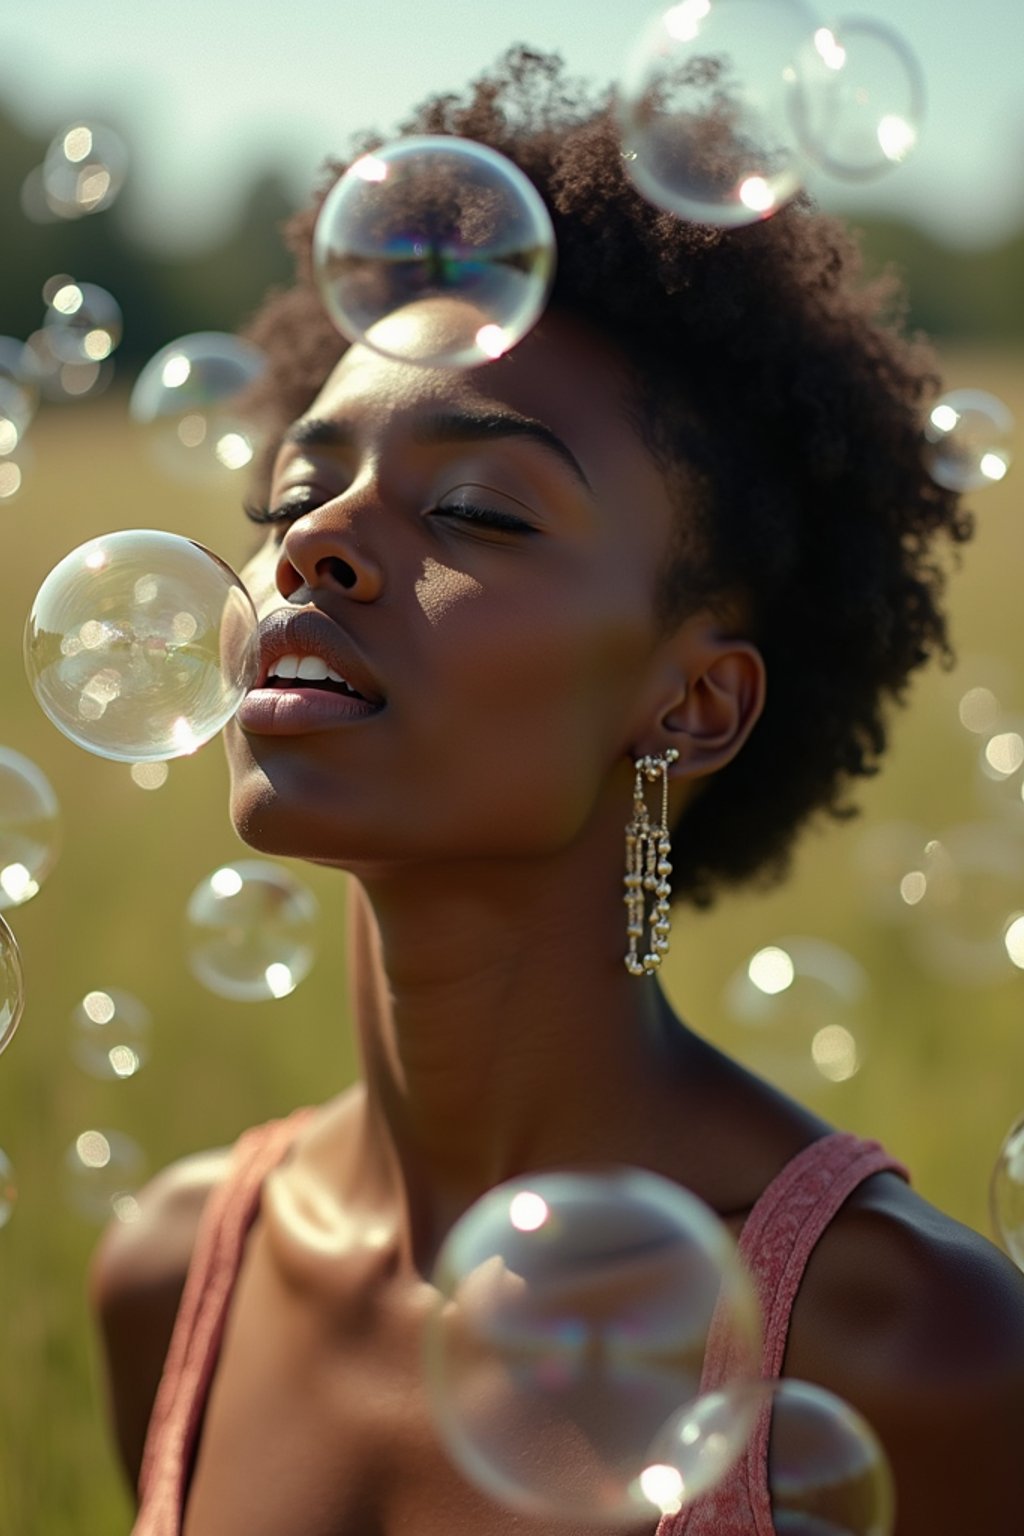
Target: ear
[(714, 695)]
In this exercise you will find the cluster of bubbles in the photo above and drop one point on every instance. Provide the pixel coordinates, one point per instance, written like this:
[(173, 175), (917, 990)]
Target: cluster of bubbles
[(82, 172), (565, 1360)]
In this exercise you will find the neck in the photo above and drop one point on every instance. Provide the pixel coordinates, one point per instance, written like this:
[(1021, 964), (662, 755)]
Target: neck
[(500, 1031)]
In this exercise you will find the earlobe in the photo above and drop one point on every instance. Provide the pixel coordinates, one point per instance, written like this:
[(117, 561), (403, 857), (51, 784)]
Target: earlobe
[(718, 709)]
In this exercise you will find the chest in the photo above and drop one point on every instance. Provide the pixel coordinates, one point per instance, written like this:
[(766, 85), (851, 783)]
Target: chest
[(319, 1423)]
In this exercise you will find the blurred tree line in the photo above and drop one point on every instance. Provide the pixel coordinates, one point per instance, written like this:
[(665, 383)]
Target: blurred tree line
[(969, 295)]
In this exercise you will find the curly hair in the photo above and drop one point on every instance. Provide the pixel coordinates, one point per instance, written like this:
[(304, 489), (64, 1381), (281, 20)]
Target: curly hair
[(777, 391)]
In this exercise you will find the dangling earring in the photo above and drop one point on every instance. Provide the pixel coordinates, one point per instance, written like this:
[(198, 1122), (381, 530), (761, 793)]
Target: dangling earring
[(648, 867)]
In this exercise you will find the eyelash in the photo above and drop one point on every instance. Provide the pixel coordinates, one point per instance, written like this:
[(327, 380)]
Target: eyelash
[(468, 512)]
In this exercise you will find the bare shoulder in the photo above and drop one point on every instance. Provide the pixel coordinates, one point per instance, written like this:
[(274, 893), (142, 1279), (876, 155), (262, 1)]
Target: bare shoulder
[(136, 1278), (919, 1322)]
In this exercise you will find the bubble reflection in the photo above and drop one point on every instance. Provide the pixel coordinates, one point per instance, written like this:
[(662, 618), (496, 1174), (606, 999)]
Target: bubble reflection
[(572, 1317), (251, 931)]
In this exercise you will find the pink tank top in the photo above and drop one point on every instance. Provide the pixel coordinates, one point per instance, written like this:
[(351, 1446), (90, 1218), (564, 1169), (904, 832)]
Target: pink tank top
[(776, 1242)]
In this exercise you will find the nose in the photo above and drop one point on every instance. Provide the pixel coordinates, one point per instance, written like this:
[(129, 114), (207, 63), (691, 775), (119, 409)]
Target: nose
[(324, 550)]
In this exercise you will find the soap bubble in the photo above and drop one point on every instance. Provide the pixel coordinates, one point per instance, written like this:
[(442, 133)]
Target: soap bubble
[(802, 1004), (704, 108), (1001, 766), (19, 393), (102, 1172), (83, 169), (572, 1318), (84, 323), (251, 931), (887, 859), (12, 985), (29, 828), (1007, 1193), (141, 645), (973, 884), (60, 379), (111, 1034), (186, 399), (8, 1189), (434, 250), (968, 440), (858, 99)]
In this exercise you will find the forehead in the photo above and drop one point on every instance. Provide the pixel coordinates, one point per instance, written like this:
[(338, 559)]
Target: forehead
[(562, 374)]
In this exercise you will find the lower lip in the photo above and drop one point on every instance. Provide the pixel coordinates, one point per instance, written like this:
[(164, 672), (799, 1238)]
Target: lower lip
[(298, 711)]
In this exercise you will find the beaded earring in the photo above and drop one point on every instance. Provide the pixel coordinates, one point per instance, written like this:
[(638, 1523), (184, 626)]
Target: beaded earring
[(648, 867)]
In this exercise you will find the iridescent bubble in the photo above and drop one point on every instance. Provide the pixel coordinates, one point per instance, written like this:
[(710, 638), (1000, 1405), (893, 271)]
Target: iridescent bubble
[(1006, 1193), (858, 99), (103, 1171), (571, 1321), (29, 828), (84, 323), (12, 985), (110, 1034), (968, 440), (187, 399), (8, 1189), (802, 1003), (434, 250), (703, 108), (140, 645), (251, 931), (83, 170), (972, 885)]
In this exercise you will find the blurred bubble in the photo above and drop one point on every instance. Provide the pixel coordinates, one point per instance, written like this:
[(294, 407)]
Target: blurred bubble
[(149, 775), (19, 393), (8, 1189), (83, 169), (1000, 777), (12, 985), (968, 440), (11, 479), (1013, 939), (973, 883), (802, 1003), (60, 379), (186, 398), (703, 108), (103, 1171), (29, 828), (140, 645), (434, 250), (251, 931), (858, 99), (84, 323), (111, 1034), (979, 711), (1006, 1193), (32, 197), (887, 862), (571, 1321)]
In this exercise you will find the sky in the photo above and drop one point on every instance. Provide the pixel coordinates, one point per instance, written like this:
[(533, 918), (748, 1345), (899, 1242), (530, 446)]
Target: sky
[(209, 91)]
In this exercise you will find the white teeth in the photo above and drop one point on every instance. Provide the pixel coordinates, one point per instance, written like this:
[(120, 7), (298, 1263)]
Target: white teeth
[(312, 669), (285, 666), (336, 677)]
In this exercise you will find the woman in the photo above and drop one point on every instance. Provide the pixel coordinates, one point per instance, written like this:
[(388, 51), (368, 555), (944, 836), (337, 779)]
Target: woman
[(683, 523)]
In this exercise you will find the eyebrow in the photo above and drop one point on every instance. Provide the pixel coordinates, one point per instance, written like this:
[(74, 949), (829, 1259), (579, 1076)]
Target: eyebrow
[(454, 427)]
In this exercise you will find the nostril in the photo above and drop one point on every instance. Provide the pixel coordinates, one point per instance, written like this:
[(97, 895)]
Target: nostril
[(339, 571)]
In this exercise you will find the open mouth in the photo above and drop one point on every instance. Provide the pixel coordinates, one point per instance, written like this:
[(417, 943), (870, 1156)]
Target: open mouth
[(310, 672)]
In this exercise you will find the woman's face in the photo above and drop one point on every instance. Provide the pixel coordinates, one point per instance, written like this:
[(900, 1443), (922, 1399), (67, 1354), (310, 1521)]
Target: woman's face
[(477, 554)]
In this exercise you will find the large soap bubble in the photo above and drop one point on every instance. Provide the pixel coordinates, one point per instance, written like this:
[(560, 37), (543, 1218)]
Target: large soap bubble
[(251, 931), (704, 108), (434, 250), (571, 1322), (858, 99), (186, 399), (968, 440), (12, 985), (29, 828), (141, 645)]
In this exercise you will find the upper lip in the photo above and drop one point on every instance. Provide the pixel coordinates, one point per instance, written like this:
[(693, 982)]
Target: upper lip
[(308, 632)]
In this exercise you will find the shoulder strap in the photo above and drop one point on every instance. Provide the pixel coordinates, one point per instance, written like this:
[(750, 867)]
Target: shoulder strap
[(777, 1240), (199, 1325)]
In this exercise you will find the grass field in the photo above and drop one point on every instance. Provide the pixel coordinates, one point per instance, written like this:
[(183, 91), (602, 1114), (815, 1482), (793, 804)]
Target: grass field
[(943, 1067)]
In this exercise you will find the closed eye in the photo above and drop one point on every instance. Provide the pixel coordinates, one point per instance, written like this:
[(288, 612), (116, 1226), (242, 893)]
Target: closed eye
[(486, 508)]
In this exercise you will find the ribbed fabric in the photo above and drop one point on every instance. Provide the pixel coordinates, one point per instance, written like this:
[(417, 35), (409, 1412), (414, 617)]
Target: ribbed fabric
[(776, 1242)]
